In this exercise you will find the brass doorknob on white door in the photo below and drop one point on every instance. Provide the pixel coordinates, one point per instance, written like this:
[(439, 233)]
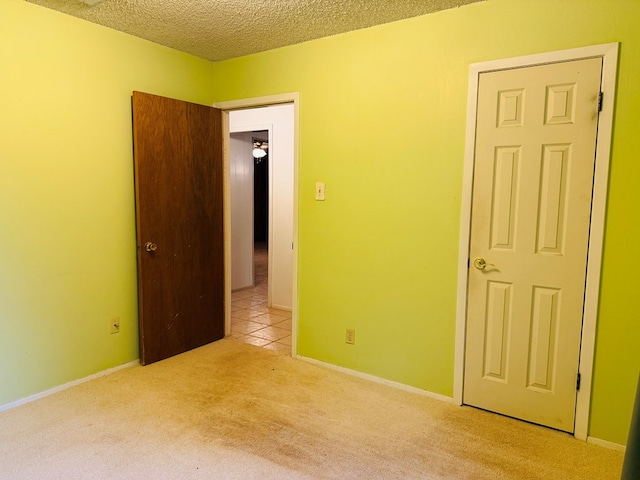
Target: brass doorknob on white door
[(480, 263), (150, 247)]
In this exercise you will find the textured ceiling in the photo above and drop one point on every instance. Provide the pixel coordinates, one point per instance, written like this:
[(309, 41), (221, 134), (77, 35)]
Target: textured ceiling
[(222, 29)]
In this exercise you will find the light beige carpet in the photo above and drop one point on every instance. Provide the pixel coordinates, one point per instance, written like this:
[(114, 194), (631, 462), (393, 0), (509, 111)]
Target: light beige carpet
[(233, 411)]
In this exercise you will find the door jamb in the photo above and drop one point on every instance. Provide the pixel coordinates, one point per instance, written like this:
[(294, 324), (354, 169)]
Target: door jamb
[(609, 54), (226, 107)]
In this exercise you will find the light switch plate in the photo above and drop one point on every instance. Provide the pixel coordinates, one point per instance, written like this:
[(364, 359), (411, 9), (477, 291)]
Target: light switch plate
[(320, 191)]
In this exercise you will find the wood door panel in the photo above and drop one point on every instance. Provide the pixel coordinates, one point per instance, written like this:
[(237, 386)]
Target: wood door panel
[(178, 173)]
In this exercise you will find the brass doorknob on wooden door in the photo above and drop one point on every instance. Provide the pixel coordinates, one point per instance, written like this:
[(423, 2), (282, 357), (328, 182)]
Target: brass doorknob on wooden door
[(150, 247), (480, 263)]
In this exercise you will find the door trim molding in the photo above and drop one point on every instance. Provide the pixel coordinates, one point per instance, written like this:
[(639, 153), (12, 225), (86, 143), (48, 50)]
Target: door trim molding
[(226, 107), (609, 54)]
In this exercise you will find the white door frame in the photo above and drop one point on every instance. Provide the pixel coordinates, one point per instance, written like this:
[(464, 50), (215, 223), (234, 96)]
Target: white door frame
[(293, 97), (609, 54)]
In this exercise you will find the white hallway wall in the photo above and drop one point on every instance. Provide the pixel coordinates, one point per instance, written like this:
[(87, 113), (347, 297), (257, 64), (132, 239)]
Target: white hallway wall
[(241, 181)]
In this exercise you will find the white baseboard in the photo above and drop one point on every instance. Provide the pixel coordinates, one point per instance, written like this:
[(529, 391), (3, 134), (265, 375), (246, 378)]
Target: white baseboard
[(280, 307), (443, 398), (606, 444), (59, 388), (383, 381)]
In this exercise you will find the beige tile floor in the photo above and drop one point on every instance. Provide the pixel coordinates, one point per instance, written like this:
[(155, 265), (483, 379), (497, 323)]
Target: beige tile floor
[(251, 320)]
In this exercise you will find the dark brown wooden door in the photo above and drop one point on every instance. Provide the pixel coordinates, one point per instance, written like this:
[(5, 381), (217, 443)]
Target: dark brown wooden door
[(178, 179)]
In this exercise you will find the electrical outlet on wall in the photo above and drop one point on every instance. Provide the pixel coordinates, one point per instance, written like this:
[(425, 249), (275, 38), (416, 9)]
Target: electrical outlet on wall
[(114, 325), (351, 336)]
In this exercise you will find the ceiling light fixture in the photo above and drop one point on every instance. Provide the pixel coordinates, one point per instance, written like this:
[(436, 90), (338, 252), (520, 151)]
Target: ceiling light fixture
[(260, 149), (259, 153)]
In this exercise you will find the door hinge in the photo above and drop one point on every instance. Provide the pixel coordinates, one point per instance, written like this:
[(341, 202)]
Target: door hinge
[(578, 382), (600, 96)]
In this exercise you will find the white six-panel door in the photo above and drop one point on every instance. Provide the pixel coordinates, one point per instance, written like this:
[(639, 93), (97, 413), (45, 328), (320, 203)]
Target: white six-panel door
[(532, 187)]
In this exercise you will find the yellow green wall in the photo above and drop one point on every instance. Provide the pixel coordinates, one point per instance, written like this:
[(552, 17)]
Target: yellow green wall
[(382, 122), (67, 224)]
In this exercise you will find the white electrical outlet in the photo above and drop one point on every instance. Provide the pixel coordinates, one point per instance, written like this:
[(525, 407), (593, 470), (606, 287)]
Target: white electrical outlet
[(114, 325), (351, 336)]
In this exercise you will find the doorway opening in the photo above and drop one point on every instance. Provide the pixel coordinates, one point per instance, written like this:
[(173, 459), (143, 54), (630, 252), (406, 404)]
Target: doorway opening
[(274, 122), (280, 116)]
